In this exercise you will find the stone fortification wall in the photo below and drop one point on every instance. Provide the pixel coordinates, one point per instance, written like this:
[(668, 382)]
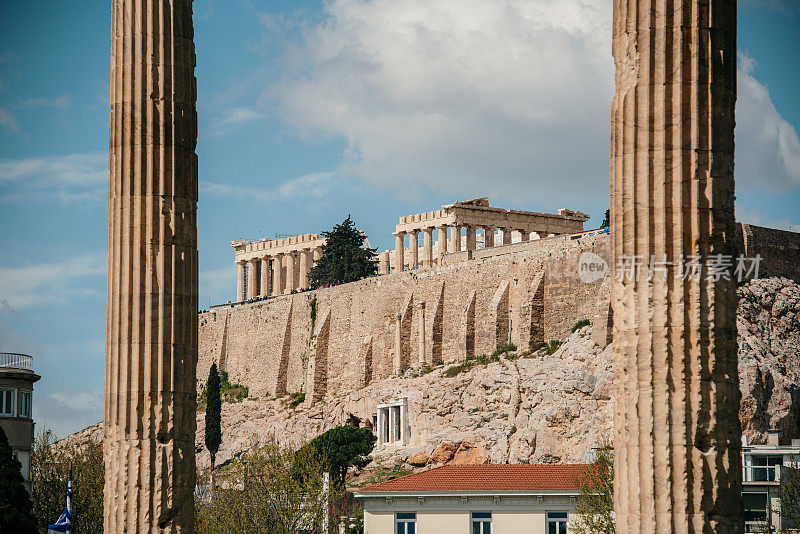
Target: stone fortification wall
[(779, 249), (335, 340)]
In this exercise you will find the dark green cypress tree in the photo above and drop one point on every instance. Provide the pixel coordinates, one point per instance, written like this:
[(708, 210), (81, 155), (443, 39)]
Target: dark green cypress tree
[(213, 413), (606, 219), (15, 503), (345, 257)]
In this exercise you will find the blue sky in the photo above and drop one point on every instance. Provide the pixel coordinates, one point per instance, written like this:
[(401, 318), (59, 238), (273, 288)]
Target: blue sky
[(309, 111)]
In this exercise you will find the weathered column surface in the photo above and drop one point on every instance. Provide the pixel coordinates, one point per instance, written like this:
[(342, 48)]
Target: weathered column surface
[(413, 249), (455, 239), (240, 281), (304, 268), (252, 279), (290, 278), (488, 237), (421, 336), (264, 277), (383, 265), (277, 275), (677, 433), (427, 247), (442, 241), (506, 236), (398, 252), (151, 321), (471, 238)]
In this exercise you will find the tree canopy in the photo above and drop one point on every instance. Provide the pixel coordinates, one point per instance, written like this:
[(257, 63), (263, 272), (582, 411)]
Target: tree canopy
[(15, 503), (345, 256), (341, 447), (213, 412), (595, 504), (789, 495)]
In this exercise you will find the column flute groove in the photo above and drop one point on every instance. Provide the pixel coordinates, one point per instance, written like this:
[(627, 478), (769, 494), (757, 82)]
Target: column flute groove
[(151, 326)]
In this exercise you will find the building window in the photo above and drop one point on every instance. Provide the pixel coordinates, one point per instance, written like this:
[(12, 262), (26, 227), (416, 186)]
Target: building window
[(24, 458), (755, 512), (481, 523), (25, 404), (406, 522), (557, 522), (392, 424), (8, 401)]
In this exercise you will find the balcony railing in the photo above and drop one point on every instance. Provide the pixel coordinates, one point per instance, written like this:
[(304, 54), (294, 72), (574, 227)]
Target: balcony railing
[(16, 361), (761, 473)]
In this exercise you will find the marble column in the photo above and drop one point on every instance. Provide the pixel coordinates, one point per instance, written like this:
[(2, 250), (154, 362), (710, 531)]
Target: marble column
[(471, 238), (442, 241), (455, 239), (488, 237), (264, 277), (304, 268), (413, 249), (277, 275), (151, 318), (317, 254), (383, 262), (506, 236), (524, 235), (427, 247), (399, 248), (677, 436), (252, 278), (288, 259), (240, 280)]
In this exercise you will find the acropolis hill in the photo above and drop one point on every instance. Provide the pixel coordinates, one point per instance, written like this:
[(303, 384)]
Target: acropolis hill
[(459, 296)]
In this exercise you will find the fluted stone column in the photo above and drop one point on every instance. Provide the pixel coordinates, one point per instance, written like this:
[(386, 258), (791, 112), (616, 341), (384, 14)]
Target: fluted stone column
[(442, 237), (151, 320), (488, 237), (506, 236), (264, 277), (240, 280), (383, 262), (427, 247), (304, 268), (399, 248), (252, 278), (677, 432), (277, 275), (288, 259), (413, 249), (316, 255), (455, 238), (471, 238)]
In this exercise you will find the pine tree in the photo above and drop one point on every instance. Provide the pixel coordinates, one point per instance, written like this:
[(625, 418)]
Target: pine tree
[(15, 503), (345, 257), (606, 219), (213, 415)]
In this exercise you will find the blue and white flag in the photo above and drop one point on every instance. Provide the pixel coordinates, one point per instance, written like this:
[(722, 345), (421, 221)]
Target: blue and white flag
[(64, 523)]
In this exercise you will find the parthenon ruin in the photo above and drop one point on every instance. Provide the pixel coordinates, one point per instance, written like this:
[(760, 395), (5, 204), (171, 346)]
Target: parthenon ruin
[(275, 267)]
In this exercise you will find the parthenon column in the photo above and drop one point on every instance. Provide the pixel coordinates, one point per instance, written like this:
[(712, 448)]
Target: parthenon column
[(427, 247), (399, 248), (240, 280), (288, 259), (383, 262), (304, 268), (677, 432), (471, 239), (442, 237), (455, 238), (264, 277), (252, 278), (524, 235), (488, 237), (413, 249), (277, 275), (506, 236), (151, 318)]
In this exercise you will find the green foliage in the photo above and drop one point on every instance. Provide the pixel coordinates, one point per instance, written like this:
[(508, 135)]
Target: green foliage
[(345, 257), (232, 392), (15, 503), (549, 348), (213, 412), (50, 465), (606, 219), (502, 349), (580, 324), (383, 473), (297, 399), (469, 363), (789, 495), (312, 304), (595, 504), (269, 489), (341, 447)]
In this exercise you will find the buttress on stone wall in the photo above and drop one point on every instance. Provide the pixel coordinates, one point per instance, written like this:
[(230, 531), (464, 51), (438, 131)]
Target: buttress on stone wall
[(335, 340)]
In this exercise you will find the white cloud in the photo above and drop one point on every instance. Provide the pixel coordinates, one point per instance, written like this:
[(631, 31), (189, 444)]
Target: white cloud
[(47, 283), (70, 178), (231, 118), (79, 400), (479, 97), (309, 186), (57, 102), (8, 121), (767, 146)]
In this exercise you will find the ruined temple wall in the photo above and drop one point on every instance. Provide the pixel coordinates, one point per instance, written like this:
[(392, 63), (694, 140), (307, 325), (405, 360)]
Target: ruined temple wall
[(470, 307)]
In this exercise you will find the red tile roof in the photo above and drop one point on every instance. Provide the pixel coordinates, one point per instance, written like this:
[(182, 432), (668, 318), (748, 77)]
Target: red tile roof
[(516, 477)]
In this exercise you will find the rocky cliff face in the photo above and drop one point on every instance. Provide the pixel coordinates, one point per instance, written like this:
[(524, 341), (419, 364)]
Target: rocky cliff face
[(540, 408)]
